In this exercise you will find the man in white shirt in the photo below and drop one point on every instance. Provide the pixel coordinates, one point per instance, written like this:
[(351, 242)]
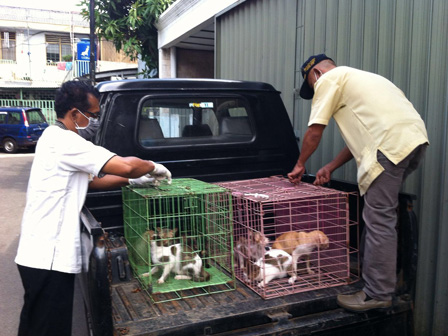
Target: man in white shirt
[(64, 167), (387, 138)]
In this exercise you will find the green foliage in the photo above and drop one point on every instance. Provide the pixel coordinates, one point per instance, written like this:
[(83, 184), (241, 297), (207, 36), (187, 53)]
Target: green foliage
[(130, 25), (67, 58)]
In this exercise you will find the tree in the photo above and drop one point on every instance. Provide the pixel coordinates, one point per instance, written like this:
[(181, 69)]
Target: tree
[(130, 25)]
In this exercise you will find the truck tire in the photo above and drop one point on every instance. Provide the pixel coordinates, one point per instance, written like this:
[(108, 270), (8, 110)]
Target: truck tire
[(10, 145)]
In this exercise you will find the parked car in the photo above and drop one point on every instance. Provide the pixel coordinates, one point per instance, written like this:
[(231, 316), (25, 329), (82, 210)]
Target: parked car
[(20, 127)]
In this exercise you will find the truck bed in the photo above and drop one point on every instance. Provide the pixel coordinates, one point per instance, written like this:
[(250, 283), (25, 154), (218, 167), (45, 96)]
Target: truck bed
[(242, 312), (131, 311)]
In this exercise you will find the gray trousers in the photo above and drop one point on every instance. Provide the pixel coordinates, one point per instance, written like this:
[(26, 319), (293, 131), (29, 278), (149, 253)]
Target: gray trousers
[(380, 216)]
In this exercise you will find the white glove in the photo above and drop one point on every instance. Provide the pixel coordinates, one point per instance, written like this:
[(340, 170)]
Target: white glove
[(160, 172), (144, 180)]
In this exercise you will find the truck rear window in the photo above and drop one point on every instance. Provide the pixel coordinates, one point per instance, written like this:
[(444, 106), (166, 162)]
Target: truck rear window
[(199, 119)]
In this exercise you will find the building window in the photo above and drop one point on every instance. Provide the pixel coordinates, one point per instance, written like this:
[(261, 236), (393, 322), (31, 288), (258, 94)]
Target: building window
[(58, 46), (8, 46)]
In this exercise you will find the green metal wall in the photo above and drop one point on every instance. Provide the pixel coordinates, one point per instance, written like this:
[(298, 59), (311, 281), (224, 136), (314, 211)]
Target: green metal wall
[(256, 41), (403, 40)]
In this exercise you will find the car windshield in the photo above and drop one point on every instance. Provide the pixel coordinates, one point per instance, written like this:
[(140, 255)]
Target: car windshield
[(35, 117)]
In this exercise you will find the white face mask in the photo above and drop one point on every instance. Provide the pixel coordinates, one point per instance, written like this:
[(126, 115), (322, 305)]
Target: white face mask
[(89, 131)]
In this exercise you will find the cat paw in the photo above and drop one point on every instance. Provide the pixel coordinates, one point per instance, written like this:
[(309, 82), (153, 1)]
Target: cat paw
[(310, 271), (292, 280), (160, 281), (261, 284), (145, 275)]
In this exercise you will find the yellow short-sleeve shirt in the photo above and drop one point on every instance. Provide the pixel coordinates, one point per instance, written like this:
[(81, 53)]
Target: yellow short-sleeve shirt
[(372, 114)]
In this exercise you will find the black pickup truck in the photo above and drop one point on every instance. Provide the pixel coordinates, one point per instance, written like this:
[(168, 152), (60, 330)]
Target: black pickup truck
[(214, 131)]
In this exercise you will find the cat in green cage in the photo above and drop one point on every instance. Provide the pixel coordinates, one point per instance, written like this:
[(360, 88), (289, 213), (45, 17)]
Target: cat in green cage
[(171, 256)]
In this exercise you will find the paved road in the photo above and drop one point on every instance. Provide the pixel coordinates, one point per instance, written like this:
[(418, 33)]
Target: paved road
[(14, 173)]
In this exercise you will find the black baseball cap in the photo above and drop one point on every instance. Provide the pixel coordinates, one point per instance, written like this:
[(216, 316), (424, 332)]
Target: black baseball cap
[(307, 92)]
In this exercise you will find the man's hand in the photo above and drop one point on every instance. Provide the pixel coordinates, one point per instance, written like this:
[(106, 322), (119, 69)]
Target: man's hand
[(310, 142), (296, 174), (160, 172), (323, 175)]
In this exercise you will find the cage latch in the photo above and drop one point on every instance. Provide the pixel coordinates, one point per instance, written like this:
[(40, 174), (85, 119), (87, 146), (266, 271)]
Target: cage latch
[(279, 316)]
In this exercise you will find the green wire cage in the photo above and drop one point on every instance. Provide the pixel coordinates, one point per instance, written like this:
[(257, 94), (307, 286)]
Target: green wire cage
[(179, 238)]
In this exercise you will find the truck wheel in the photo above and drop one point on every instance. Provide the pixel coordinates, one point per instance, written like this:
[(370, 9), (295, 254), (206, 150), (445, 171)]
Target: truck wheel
[(10, 145)]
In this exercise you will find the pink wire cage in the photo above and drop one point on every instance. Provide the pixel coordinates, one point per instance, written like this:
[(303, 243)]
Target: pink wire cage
[(273, 206)]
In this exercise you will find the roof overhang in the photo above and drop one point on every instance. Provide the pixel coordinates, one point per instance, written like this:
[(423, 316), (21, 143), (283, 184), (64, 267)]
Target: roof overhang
[(190, 24)]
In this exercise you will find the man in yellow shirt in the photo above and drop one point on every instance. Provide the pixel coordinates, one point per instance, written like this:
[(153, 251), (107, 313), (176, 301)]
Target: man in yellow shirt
[(387, 138)]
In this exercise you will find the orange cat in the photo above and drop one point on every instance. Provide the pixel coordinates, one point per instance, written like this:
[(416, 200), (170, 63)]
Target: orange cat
[(300, 244)]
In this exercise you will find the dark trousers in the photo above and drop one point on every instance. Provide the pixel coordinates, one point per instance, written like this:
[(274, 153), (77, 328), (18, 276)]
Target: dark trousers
[(380, 217), (48, 302)]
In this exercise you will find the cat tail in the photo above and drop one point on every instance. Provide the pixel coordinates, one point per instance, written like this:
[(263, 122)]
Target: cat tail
[(202, 277)]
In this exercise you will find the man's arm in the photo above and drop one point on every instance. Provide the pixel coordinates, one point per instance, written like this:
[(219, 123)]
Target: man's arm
[(324, 174), (311, 141), (119, 170), (108, 182), (122, 171), (129, 167)]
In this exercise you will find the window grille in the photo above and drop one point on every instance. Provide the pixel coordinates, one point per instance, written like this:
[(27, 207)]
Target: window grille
[(8, 46), (58, 46)]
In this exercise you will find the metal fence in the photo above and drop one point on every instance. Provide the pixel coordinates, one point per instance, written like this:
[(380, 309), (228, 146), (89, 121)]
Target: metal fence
[(47, 106), (81, 68)]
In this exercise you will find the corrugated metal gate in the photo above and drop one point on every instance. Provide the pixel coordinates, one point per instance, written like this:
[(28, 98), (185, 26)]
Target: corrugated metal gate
[(403, 40)]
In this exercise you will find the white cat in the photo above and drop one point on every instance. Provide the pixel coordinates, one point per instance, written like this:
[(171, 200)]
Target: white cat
[(276, 264), (174, 257)]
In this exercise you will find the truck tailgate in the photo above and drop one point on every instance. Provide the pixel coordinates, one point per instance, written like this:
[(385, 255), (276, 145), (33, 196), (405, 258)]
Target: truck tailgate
[(242, 312)]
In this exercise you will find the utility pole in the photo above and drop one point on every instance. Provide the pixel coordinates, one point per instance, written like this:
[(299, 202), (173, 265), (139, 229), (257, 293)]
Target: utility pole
[(92, 42)]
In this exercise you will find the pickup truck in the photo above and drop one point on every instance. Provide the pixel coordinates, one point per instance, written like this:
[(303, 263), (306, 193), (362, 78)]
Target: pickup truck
[(214, 131)]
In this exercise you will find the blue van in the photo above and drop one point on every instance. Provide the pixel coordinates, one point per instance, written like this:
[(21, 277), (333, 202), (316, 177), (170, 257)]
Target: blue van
[(20, 127)]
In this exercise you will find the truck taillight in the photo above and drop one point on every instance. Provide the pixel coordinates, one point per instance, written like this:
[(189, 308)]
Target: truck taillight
[(25, 119)]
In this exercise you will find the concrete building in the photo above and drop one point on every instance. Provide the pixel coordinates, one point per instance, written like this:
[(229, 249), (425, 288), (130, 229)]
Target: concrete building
[(186, 38), (40, 49)]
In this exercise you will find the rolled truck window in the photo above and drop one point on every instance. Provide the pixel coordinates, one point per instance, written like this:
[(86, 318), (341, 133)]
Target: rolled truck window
[(194, 120)]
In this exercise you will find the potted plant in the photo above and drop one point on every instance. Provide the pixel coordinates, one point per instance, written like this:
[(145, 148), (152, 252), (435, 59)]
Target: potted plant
[(67, 58)]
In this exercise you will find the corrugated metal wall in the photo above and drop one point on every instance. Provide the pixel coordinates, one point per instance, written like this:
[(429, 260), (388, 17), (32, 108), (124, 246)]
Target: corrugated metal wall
[(257, 41), (403, 40)]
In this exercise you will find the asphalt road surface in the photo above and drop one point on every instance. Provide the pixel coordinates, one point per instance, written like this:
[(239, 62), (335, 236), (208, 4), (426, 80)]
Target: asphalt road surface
[(14, 174)]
